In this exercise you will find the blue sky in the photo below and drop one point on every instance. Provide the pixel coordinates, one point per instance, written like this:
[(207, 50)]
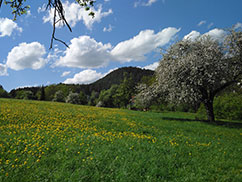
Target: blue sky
[(123, 33)]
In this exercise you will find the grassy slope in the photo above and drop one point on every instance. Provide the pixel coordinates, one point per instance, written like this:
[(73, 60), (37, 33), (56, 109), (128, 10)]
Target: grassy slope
[(46, 141)]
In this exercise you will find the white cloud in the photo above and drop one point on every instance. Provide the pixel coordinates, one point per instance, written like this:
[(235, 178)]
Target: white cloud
[(85, 52), (201, 23), (147, 3), (238, 25), (210, 25), (7, 27), (42, 8), (84, 77), (152, 66), (75, 13), (192, 35), (65, 73), (26, 56), (108, 29), (54, 55), (216, 34), (150, 2), (3, 70), (145, 42)]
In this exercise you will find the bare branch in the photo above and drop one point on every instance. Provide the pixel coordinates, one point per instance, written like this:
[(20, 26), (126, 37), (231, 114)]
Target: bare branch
[(18, 9)]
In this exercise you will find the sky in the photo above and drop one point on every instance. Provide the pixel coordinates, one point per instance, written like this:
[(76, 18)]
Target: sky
[(122, 33)]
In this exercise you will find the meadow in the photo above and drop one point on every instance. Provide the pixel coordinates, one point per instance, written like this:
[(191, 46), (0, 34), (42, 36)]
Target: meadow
[(48, 141)]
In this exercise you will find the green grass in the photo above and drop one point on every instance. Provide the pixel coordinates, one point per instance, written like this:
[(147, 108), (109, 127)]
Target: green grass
[(46, 141)]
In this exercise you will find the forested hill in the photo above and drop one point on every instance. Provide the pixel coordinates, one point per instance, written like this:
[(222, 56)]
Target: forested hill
[(115, 77)]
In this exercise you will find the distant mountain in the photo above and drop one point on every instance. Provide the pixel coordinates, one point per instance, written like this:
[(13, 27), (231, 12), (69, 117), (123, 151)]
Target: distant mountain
[(115, 77)]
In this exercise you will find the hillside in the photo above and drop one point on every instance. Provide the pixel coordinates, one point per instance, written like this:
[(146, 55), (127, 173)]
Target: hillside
[(49, 141), (115, 77)]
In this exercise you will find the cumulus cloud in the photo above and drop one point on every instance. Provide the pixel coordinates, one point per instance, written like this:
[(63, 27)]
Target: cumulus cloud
[(26, 56), (84, 77), (3, 70), (7, 27), (192, 35), (146, 41), (152, 66), (75, 13), (65, 73), (85, 52), (216, 34)]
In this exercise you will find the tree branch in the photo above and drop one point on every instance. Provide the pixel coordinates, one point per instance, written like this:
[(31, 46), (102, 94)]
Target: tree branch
[(18, 9), (223, 87)]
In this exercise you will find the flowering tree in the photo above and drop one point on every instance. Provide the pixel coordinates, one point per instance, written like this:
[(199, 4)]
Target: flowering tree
[(196, 71)]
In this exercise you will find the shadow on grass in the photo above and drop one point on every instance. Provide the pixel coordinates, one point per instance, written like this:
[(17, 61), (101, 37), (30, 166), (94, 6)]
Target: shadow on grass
[(216, 123)]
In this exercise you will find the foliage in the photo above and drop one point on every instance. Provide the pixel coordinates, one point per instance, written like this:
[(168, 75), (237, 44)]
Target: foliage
[(125, 91), (59, 96), (93, 99), (49, 141), (83, 98), (145, 97), (25, 94), (196, 71), (106, 97), (42, 93), (52, 89), (3, 93), (73, 98), (227, 106)]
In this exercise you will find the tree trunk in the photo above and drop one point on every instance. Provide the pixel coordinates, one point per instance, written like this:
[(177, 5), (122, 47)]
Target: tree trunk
[(209, 108)]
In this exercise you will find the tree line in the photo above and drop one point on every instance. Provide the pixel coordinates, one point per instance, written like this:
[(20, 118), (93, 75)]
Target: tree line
[(114, 90)]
